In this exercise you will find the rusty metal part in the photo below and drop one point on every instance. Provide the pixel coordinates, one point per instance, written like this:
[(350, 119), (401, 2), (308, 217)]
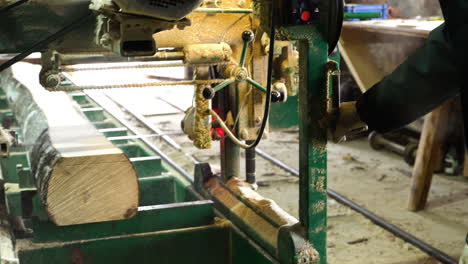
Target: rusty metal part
[(378, 142), (207, 53)]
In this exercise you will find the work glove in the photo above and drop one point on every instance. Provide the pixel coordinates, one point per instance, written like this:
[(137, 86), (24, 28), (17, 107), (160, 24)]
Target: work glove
[(347, 122)]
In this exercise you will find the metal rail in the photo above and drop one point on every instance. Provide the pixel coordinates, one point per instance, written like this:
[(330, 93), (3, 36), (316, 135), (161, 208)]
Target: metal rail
[(143, 136), (147, 124), (425, 247), (153, 147)]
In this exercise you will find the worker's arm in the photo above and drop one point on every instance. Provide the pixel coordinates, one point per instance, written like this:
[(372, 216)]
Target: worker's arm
[(424, 81)]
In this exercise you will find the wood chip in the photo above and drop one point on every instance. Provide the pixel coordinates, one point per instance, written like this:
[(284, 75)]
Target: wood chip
[(358, 241)]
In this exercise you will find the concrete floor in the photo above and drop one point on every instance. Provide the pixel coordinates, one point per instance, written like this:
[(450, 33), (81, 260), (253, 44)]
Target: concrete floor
[(377, 180)]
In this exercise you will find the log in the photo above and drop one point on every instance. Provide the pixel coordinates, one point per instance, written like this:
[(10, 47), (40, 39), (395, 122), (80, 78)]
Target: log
[(80, 176)]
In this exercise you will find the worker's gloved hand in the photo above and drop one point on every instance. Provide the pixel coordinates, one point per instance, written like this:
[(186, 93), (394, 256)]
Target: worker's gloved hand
[(348, 122)]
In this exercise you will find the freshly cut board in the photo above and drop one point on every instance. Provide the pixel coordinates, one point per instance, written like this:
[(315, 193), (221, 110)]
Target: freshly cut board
[(80, 176)]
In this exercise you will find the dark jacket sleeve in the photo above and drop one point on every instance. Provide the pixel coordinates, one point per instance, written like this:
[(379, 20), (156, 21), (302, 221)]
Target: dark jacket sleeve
[(424, 81), (456, 19)]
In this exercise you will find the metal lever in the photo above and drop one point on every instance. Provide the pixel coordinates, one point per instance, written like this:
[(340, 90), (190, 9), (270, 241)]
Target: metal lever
[(238, 73)]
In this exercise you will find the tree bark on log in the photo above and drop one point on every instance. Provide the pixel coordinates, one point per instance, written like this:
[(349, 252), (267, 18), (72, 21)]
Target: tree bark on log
[(80, 176)]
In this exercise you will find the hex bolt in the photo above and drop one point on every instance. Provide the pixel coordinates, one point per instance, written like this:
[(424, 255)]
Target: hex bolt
[(248, 36), (208, 93), (53, 80)]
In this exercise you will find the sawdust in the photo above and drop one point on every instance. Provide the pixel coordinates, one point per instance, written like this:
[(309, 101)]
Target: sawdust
[(207, 53), (308, 255), (201, 135)]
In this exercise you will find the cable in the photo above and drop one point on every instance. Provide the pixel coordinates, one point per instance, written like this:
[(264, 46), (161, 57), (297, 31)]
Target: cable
[(12, 5), (271, 52), (268, 92), (43, 43), (228, 131)]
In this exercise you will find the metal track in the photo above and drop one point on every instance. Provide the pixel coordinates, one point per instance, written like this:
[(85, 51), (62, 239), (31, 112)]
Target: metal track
[(425, 247), (147, 124), (153, 147), (176, 167)]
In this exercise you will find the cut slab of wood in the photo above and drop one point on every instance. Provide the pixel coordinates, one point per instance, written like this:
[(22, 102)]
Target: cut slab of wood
[(80, 176)]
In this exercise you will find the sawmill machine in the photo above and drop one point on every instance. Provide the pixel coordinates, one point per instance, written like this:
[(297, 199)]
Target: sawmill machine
[(80, 186)]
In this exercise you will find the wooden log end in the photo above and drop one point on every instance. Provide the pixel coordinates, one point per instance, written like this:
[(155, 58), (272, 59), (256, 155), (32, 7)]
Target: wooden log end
[(95, 191)]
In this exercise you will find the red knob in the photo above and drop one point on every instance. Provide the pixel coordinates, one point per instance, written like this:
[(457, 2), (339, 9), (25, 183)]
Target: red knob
[(306, 16)]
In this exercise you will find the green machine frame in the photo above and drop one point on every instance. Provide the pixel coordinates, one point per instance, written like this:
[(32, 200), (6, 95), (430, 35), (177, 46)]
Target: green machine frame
[(174, 211)]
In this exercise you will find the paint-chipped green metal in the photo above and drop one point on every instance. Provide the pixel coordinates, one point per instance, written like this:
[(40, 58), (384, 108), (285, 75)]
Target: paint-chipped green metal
[(313, 54), (204, 244), (285, 115), (149, 219), (257, 85), (172, 226)]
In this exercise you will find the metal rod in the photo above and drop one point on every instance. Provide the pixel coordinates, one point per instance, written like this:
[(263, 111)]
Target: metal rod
[(163, 156), (224, 10), (256, 85), (149, 126), (220, 86), (250, 167), (44, 43), (366, 15), (72, 59), (125, 67), (244, 53), (12, 5), (145, 136), (431, 251)]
